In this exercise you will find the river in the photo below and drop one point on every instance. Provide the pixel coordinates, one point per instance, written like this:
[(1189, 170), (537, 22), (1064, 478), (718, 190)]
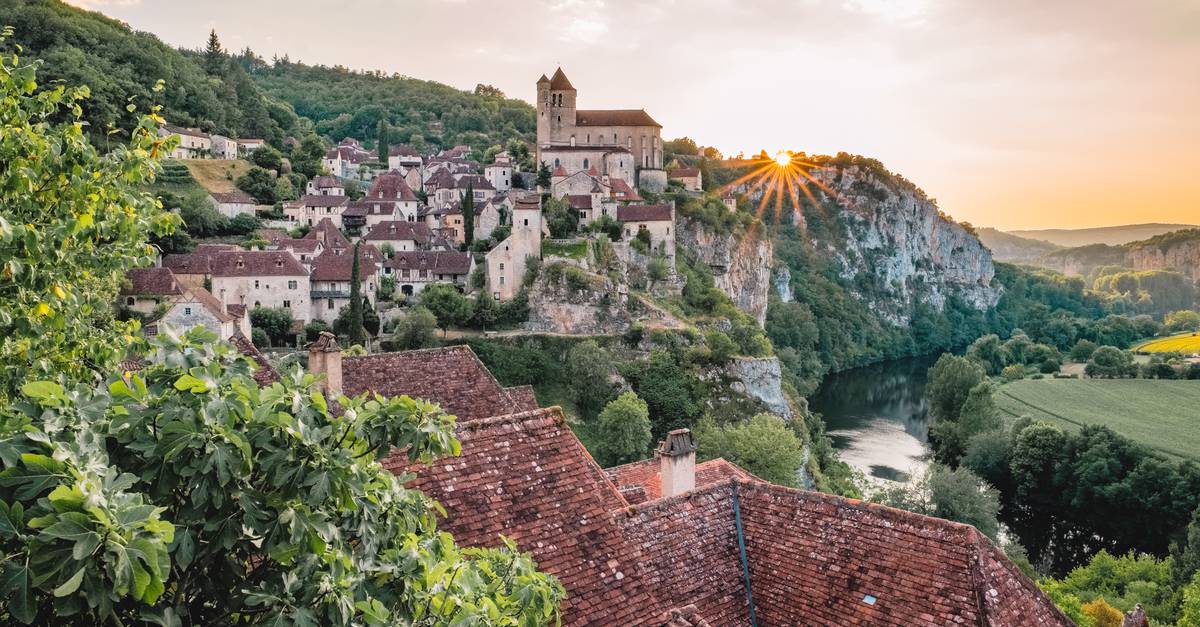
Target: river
[(878, 417)]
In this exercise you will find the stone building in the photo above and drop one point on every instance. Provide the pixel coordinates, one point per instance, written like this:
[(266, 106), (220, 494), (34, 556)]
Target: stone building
[(658, 221), (507, 261), (273, 279), (416, 270), (691, 178), (621, 143), (330, 280)]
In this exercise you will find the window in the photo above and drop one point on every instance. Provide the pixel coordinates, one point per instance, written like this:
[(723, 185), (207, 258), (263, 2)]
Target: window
[(130, 301), (496, 295), (502, 267), (292, 285), (589, 138), (187, 311), (287, 304), (556, 163), (501, 280), (572, 140), (585, 163), (329, 304), (256, 284)]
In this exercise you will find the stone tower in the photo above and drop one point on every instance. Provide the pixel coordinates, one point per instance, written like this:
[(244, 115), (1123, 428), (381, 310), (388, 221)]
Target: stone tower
[(556, 109)]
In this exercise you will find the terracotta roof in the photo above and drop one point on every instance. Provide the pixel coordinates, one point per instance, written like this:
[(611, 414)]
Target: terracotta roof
[(559, 80), (199, 261), (442, 179), (621, 188), (151, 282), (265, 374), (327, 232), (402, 150), (399, 230), (326, 182), (685, 172), (321, 200), (476, 181), (640, 482), (436, 261), (273, 235), (560, 171), (179, 130), (331, 266), (256, 263), (451, 376), (645, 213), (523, 397), (391, 186), (614, 117), (211, 303), (543, 79), (579, 201), (234, 197), (298, 245)]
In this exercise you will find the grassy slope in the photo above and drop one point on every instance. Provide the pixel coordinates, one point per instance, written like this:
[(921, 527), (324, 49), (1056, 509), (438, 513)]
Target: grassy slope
[(1159, 414), (210, 173)]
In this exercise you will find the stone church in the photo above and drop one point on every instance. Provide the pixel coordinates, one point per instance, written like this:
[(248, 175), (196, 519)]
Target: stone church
[(616, 143)]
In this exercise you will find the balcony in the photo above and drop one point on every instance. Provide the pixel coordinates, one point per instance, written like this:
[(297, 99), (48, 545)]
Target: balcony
[(330, 293)]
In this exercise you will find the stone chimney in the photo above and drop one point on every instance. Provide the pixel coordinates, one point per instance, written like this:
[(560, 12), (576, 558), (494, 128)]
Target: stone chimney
[(325, 357), (677, 463)]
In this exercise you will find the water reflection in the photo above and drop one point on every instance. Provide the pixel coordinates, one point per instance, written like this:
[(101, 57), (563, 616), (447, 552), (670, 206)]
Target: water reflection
[(878, 417)]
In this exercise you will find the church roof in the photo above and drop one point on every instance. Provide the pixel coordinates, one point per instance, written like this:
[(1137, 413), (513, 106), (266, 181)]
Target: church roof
[(559, 81), (614, 117), (543, 79)]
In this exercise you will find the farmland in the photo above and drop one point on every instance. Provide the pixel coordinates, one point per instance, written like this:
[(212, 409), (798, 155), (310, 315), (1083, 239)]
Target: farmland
[(1159, 414), (1187, 343)]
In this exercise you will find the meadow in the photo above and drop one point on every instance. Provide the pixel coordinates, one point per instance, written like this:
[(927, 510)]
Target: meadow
[(1163, 415), (1187, 343)]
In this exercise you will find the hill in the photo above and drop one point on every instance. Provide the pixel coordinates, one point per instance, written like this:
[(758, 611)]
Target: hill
[(1014, 248), (1109, 235), (342, 103), (118, 65), (216, 175)]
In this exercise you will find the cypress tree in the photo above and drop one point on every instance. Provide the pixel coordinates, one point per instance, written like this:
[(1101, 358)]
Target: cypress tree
[(468, 209), (381, 136), (358, 335), (214, 55)]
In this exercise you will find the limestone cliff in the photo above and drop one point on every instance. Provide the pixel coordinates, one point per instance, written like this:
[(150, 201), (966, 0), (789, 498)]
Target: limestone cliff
[(740, 262), (895, 247), (565, 299), (1182, 256)]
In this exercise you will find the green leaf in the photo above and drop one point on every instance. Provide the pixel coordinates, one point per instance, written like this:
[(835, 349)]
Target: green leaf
[(70, 526), (188, 383), (14, 584), (71, 585), (41, 390)]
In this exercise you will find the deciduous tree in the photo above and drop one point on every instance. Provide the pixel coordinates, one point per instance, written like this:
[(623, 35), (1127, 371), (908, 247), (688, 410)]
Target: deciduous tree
[(623, 431)]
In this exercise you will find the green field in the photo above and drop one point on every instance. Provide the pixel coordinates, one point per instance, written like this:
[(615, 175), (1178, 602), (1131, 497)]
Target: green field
[(1164, 415)]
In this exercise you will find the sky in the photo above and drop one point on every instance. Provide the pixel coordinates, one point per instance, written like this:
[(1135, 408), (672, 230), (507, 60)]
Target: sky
[(1012, 113)]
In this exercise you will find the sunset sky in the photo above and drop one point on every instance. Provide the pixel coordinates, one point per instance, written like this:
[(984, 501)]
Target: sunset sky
[(1013, 113)]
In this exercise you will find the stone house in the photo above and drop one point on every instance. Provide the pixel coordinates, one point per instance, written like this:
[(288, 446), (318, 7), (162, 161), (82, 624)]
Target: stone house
[(392, 188), (325, 185), (657, 220), (311, 209), (330, 280), (146, 290), (193, 143), (272, 278), (343, 160), (160, 298), (402, 156), (197, 306), (625, 143), (506, 262), (415, 270), (247, 146), (192, 269), (500, 172), (223, 148), (230, 204), (690, 177), (402, 236)]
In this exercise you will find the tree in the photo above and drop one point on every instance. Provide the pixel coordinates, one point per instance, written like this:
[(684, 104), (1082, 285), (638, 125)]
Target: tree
[(623, 431), (1083, 349), (259, 183), (543, 177), (1185, 552), (1190, 612), (1182, 320), (988, 352), (1015, 372), (382, 140), (957, 495), (447, 304), (721, 347), (950, 382), (415, 330), (484, 312), (200, 217), (313, 330), (73, 223), (124, 517), (764, 445), (1108, 362), (590, 369), (468, 209), (1103, 614), (358, 335), (977, 415), (275, 322), (561, 219), (214, 55), (657, 270), (268, 158)]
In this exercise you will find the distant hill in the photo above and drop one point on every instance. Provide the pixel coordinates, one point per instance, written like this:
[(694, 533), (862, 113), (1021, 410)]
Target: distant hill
[(1013, 248), (1110, 235), (1177, 251)]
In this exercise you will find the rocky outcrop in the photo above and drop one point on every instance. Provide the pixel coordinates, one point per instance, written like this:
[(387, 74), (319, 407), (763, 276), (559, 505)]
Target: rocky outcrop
[(568, 300), (897, 238), (741, 262), (760, 379), (1181, 254)]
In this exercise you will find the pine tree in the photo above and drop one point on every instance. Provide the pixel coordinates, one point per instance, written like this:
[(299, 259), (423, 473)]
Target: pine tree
[(214, 55), (381, 136), (358, 335), (543, 177), (468, 209)]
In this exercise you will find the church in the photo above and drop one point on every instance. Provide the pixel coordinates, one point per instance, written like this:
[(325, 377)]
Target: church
[(624, 144)]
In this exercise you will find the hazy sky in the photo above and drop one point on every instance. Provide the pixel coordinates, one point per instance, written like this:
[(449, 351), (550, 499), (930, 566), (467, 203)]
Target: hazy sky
[(1013, 113)]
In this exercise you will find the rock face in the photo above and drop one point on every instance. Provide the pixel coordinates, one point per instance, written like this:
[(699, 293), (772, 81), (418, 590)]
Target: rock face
[(760, 379), (741, 263), (896, 235), (572, 301), (1182, 256)]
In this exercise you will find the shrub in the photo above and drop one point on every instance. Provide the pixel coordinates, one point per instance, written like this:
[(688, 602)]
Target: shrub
[(1014, 372), (624, 431), (313, 329), (1083, 349), (1049, 366)]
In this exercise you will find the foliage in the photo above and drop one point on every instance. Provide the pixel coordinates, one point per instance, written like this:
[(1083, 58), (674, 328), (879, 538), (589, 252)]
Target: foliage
[(356, 332), (268, 158), (313, 330), (1103, 614), (1123, 582), (415, 330), (468, 210), (657, 270), (1015, 372), (624, 425), (185, 494), (260, 184), (951, 380), (1190, 612), (1083, 349), (590, 367), (483, 314), (764, 445), (1182, 320), (1110, 363), (721, 348), (988, 352), (275, 322), (668, 389), (607, 225), (957, 495), (73, 223), (121, 66), (561, 219), (447, 304)]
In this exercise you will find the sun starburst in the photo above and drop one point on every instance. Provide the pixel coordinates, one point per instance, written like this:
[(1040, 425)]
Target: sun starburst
[(779, 181)]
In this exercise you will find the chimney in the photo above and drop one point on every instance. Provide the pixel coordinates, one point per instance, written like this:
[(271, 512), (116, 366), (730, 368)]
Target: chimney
[(677, 463), (325, 357)]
